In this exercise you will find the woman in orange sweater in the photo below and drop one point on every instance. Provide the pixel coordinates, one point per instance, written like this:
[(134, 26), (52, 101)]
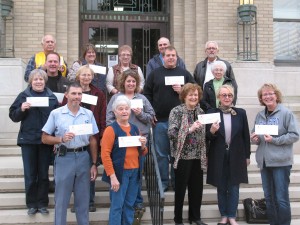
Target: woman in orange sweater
[(121, 163)]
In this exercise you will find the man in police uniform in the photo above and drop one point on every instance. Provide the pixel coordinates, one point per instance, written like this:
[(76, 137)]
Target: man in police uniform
[(72, 163), (38, 60)]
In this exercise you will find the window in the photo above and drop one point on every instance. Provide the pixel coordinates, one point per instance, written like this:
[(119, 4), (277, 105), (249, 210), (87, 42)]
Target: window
[(124, 5), (286, 24)]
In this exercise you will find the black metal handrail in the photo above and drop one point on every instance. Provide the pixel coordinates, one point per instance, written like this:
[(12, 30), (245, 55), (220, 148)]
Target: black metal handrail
[(156, 196)]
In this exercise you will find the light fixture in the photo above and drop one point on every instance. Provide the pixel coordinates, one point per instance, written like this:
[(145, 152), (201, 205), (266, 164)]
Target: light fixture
[(247, 49), (246, 10), (246, 2), (6, 7), (119, 8)]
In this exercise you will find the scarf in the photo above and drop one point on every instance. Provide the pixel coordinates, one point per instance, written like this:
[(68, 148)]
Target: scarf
[(226, 109)]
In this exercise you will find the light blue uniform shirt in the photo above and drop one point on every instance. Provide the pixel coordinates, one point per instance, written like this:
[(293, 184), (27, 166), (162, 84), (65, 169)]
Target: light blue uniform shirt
[(61, 118)]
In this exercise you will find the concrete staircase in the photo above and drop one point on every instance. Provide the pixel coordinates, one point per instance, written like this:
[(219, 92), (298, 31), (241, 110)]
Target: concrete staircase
[(13, 209)]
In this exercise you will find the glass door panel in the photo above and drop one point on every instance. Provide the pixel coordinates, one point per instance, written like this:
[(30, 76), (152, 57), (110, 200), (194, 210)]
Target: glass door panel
[(144, 42), (109, 36), (106, 41)]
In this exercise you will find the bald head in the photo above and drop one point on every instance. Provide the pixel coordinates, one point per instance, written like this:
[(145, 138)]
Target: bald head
[(48, 43), (162, 44)]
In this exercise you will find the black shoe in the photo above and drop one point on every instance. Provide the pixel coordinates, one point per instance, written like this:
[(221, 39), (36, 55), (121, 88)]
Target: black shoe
[(51, 186), (92, 208), (32, 211), (72, 209), (43, 210), (197, 222)]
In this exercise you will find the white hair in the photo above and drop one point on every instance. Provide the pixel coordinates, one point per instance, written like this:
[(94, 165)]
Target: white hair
[(213, 42), (43, 38), (120, 100), (218, 63)]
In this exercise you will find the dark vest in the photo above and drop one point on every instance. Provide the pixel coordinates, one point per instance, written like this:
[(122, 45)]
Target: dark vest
[(118, 154)]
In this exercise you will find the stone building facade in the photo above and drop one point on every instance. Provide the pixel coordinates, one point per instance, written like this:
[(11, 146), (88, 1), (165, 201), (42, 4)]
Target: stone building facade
[(191, 23)]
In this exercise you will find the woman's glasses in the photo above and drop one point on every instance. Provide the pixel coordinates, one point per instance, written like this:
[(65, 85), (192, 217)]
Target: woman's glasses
[(226, 95)]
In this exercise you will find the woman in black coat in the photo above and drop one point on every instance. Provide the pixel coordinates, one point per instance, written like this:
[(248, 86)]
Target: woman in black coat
[(35, 154), (228, 154)]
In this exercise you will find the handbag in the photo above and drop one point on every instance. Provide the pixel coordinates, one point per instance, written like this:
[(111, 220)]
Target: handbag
[(255, 210)]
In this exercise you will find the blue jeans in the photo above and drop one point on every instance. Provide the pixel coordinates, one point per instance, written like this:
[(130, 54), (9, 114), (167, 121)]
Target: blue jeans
[(36, 165), (121, 206), (228, 194), (162, 148), (275, 181)]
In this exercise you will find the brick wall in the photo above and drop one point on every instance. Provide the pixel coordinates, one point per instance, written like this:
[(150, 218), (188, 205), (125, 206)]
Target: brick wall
[(192, 23), (35, 18), (196, 21)]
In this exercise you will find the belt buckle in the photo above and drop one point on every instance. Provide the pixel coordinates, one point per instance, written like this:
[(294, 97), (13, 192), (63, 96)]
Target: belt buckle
[(75, 150), (227, 147)]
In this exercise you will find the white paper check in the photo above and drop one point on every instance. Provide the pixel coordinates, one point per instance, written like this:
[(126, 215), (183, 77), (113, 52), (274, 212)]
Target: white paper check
[(129, 141), (136, 103), (266, 129), (38, 101), (89, 99), (171, 80), (98, 69), (209, 118), (59, 96), (81, 129)]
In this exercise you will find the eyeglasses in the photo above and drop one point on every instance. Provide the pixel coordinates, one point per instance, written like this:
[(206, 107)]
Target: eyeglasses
[(226, 95), (211, 48), (268, 94), (86, 75), (125, 55)]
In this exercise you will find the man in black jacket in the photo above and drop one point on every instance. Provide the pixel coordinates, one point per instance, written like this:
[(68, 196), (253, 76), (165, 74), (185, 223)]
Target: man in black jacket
[(202, 73)]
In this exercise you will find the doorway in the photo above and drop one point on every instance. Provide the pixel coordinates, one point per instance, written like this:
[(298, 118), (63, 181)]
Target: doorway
[(109, 36)]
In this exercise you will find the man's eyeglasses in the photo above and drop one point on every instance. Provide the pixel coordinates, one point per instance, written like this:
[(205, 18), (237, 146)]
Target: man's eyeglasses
[(226, 95), (211, 48)]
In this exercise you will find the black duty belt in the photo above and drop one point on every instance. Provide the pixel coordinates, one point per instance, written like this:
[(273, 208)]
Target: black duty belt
[(79, 149)]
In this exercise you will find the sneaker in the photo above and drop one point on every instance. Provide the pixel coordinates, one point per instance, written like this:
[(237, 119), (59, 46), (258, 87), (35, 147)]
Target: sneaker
[(92, 208), (32, 211), (140, 207), (43, 210)]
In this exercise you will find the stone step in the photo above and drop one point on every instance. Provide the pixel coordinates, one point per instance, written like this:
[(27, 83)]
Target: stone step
[(17, 200), (16, 184), (12, 166), (12, 150), (214, 222), (100, 217)]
